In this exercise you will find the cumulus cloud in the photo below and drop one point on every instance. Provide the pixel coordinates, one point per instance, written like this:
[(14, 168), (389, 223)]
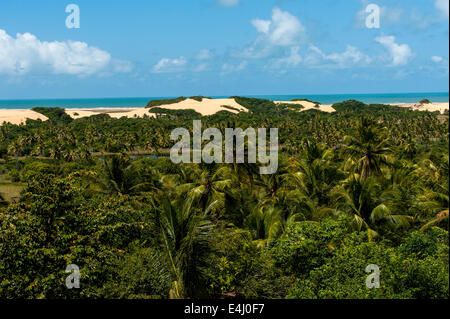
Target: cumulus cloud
[(388, 16), (400, 54), (350, 57), (202, 67), (230, 68), (262, 26), (292, 60), (228, 3), (27, 54), (204, 54), (437, 59), (166, 65), (441, 63), (284, 29), (442, 5)]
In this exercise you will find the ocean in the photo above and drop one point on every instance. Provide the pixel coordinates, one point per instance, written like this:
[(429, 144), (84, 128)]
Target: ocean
[(142, 101)]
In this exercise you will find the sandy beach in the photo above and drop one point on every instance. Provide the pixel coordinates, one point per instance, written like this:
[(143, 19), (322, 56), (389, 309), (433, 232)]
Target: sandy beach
[(19, 116), (205, 107), (309, 105), (432, 107), (115, 113)]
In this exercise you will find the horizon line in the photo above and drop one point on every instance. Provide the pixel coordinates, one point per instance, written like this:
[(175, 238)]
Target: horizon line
[(217, 96)]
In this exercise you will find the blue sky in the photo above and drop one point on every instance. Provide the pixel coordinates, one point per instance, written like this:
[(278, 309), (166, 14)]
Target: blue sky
[(221, 47)]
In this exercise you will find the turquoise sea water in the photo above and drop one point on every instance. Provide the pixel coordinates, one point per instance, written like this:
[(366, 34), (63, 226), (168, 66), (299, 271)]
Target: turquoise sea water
[(142, 101)]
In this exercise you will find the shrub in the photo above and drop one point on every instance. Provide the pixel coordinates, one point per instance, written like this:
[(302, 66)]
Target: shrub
[(307, 245), (425, 101), (349, 105), (140, 274), (199, 98), (154, 103), (56, 115), (401, 276)]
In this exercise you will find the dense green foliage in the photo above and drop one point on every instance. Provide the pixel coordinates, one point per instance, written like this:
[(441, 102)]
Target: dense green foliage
[(231, 108), (56, 115), (176, 113), (154, 103), (368, 184), (199, 98)]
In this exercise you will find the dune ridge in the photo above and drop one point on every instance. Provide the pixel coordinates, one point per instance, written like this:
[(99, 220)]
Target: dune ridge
[(205, 107), (18, 117), (432, 107)]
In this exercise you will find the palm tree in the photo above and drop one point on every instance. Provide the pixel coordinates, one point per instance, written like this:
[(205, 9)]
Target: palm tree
[(278, 205), (185, 235), (434, 195), (440, 219), (122, 177), (14, 149), (368, 147), (401, 190), (359, 198), (316, 174), (208, 185)]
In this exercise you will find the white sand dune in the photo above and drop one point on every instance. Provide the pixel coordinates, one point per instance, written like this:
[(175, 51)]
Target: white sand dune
[(309, 105), (432, 107), (19, 116), (206, 106), (115, 113)]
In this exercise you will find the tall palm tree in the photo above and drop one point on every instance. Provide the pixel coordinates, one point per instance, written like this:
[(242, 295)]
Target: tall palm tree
[(185, 235), (122, 177), (14, 149), (208, 186), (434, 195), (368, 147), (440, 219), (315, 173), (360, 198)]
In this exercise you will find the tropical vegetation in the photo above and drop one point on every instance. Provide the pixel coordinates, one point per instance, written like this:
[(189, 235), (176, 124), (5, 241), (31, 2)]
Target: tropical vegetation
[(368, 184)]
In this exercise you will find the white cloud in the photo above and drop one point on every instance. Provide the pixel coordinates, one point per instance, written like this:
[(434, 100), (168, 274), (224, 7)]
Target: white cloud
[(26, 53), (442, 5), (204, 55), (400, 54), (281, 31), (228, 3), (230, 68), (391, 15), (350, 57), (201, 67), (441, 63), (284, 29), (292, 60), (388, 16), (166, 65), (262, 26), (437, 59), (120, 66)]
